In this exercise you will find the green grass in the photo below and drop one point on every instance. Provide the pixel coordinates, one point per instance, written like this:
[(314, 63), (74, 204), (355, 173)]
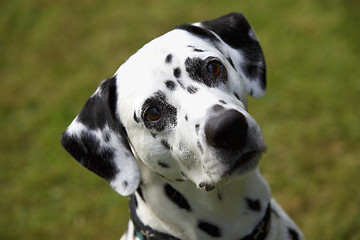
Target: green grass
[(53, 54)]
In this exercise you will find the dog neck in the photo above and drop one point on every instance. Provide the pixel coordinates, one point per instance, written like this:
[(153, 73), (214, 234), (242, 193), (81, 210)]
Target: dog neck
[(179, 210)]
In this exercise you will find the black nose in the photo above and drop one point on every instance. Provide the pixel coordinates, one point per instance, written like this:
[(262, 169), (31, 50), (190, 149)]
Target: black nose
[(227, 130)]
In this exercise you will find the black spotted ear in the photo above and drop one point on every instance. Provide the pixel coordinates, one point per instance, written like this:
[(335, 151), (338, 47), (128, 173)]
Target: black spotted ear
[(98, 141), (243, 49)]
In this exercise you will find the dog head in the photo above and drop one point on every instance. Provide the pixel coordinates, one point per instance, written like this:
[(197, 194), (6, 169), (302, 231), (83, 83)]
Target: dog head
[(178, 107)]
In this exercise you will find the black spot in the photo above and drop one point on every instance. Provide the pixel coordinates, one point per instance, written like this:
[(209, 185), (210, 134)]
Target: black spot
[(293, 234), (106, 136), (181, 84), (165, 144), (200, 32), (192, 89), (196, 49), (153, 135), (219, 196), (134, 200), (254, 205), (168, 58), (168, 112), (237, 96), (200, 147), (197, 128), (136, 119), (163, 165), (86, 149), (125, 184), (186, 117), (100, 108), (209, 228), (251, 92), (194, 66), (197, 70), (177, 198), (139, 191), (223, 102), (179, 180), (94, 114), (170, 85), (177, 72), (231, 62), (183, 175)]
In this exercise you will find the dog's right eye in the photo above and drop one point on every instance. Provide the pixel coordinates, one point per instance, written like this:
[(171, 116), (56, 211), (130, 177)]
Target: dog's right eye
[(214, 68), (152, 114)]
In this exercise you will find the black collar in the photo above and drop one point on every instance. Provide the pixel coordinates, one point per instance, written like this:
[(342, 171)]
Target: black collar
[(147, 233), (143, 231), (262, 229)]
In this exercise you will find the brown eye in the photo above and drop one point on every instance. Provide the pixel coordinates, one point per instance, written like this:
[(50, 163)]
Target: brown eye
[(214, 68), (153, 114)]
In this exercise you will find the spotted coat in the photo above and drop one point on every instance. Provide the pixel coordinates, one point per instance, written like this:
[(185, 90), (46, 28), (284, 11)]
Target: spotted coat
[(171, 130)]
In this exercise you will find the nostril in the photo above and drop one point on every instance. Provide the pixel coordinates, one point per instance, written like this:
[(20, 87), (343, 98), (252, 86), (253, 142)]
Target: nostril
[(227, 130)]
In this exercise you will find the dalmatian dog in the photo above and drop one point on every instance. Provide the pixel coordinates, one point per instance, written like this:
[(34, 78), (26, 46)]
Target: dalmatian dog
[(171, 130)]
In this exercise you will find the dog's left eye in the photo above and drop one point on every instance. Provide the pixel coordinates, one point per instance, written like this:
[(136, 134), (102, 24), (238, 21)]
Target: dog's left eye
[(153, 114), (214, 68)]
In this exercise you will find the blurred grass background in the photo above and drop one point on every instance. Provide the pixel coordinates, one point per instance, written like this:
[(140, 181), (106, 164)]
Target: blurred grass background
[(53, 55)]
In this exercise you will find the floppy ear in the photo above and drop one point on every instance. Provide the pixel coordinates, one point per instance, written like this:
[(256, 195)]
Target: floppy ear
[(242, 47), (98, 140)]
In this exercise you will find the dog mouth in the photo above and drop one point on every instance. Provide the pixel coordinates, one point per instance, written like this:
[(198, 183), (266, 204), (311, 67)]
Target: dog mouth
[(243, 164)]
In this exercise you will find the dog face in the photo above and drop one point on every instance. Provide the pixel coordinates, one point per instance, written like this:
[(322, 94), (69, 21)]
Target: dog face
[(177, 106)]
